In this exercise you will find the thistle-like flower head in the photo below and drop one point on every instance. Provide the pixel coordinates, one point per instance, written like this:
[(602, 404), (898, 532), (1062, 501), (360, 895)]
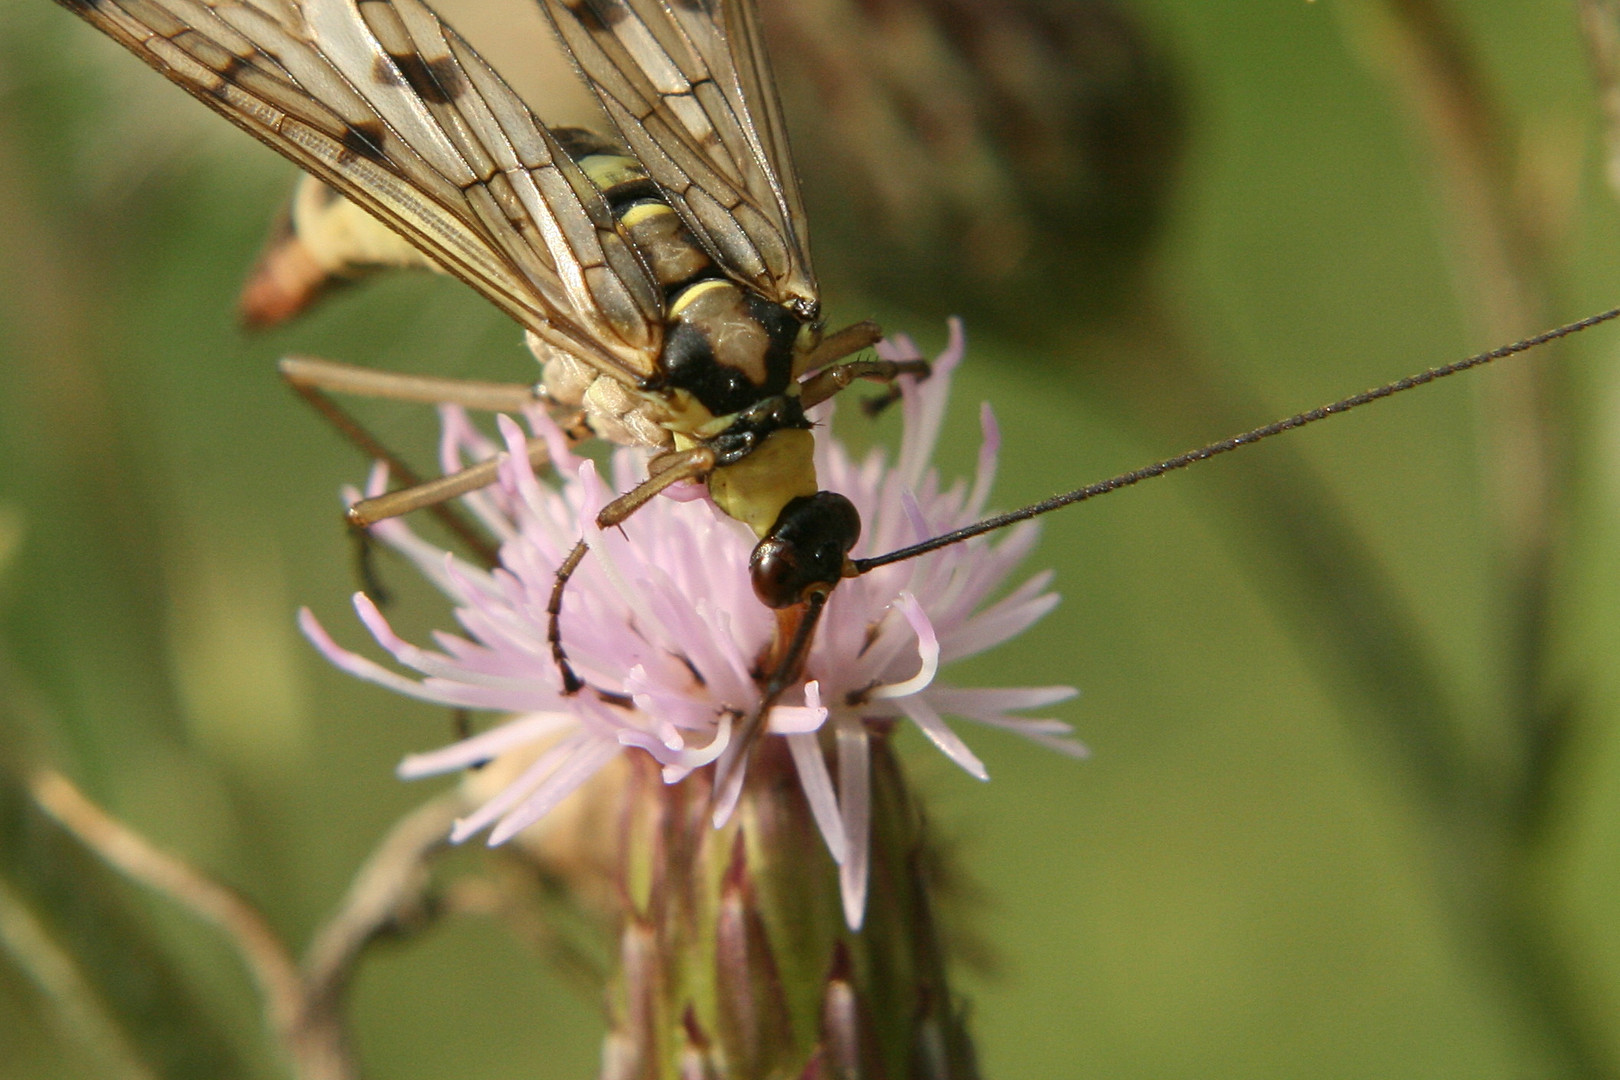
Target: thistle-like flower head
[(661, 615)]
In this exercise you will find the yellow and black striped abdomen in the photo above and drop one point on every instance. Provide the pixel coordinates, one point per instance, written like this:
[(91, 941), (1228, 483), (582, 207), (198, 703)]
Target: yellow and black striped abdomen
[(725, 344)]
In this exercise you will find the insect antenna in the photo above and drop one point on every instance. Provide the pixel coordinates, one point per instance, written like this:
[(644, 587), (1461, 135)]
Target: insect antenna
[(1222, 446)]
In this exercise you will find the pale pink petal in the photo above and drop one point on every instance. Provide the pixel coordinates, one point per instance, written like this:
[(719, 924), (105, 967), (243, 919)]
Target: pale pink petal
[(516, 791), (984, 477), (996, 625), (855, 809), (816, 781), (933, 725), (977, 701), (431, 663), (687, 491), (684, 759), (795, 719), (514, 471), (370, 671), (729, 777), (376, 481), (927, 652), (1052, 734), (485, 746), (563, 458), (585, 763), (459, 442)]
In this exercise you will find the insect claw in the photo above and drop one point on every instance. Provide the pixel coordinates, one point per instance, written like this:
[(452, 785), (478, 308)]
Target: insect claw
[(877, 404), (365, 565)]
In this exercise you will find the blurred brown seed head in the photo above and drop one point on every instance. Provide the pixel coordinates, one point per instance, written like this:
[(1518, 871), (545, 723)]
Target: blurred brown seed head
[(959, 155)]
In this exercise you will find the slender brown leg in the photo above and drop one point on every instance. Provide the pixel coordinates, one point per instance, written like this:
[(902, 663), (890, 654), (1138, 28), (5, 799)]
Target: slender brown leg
[(829, 381), (827, 377), (314, 380), (427, 494), (834, 347), (666, 469), (332, 377), (572, 683)]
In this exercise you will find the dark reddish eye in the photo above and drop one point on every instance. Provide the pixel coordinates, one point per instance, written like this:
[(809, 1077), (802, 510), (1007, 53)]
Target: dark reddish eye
[(805, 549)]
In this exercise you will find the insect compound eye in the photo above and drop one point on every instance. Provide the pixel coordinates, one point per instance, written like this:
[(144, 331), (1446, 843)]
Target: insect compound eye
[(805, 549)]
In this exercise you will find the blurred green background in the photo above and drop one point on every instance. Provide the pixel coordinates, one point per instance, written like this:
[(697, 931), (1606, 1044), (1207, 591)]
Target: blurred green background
[(1354, 805)]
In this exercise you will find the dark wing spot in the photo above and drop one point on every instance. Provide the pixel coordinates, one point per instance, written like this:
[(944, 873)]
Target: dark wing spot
[(384, 72), (229, 73), (447, 73), (365, 140), (437, 82), (590, 16)]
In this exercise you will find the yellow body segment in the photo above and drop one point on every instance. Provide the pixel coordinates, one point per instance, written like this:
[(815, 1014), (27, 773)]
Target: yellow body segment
[(689, 297), (755, 489), (608, 170)]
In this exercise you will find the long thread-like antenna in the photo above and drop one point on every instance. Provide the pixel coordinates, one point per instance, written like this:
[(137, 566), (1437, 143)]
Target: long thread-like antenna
[(1204, 453)]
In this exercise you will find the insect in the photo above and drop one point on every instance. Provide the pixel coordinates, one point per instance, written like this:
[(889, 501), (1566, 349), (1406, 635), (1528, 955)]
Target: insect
[(662, 276), (662, 279)]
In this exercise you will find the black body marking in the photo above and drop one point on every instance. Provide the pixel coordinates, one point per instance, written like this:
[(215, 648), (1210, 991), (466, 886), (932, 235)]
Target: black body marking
[(690, 363), (753, 424)]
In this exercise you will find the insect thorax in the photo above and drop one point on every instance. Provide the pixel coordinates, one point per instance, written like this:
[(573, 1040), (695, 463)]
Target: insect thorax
[(726, 368)]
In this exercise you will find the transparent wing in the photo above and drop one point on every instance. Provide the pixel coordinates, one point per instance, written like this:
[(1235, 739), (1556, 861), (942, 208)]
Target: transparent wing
[(689, 87), (382, 101)]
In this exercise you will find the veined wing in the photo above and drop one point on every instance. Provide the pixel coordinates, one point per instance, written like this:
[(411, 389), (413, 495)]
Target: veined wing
[(689, 87), (387, 104)]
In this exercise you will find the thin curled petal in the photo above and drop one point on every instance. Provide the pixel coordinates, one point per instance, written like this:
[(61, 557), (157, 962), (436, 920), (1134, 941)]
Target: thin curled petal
[(927, 652)]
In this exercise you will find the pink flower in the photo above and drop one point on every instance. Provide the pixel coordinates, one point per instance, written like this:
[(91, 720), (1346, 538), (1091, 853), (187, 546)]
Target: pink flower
[(661, 612)]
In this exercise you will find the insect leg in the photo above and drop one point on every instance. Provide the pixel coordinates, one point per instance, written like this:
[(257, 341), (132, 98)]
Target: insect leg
[(834, 347), (426, 494), (306, 375), (666, 470), (314, 380), (824, 384), (311, 380)]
